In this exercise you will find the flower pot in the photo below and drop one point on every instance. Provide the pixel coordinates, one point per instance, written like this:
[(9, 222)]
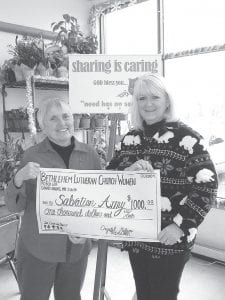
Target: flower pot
[(49, 71), (85, 122), (24, 125), (18, 73), (76, 121), (10, 120), (92, 122), (40, 70), (43, 71), (99, 122), (62, 72), (27, 71), (10, 75)]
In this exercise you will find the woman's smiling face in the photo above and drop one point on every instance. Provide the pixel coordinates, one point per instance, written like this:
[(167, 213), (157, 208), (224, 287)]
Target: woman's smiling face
[(152, 104), (58, 124)]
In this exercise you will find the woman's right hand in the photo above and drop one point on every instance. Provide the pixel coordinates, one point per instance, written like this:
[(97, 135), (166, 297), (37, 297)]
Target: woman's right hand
[(140, 165), (29, 171)]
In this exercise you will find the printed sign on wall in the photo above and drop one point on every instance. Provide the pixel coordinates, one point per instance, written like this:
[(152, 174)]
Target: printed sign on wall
[(101, 83)]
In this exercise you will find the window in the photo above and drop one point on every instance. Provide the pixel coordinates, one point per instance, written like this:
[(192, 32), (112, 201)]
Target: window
[(192, 24), (132, 30), (197, 81)]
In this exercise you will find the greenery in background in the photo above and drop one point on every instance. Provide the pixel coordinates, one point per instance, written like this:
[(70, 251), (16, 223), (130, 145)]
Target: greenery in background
[(56, 56), (47, 59), (27, 51), (70, 36), (6, 71), (10, 156)]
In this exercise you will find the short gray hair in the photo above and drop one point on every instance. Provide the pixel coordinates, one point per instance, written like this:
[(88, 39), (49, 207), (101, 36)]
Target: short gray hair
[(45, 105), (147, 82)]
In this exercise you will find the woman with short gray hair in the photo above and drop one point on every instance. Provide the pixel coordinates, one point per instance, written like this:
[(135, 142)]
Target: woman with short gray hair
[(46, 260)]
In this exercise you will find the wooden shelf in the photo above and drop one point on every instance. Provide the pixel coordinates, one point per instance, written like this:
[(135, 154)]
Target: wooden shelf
[(43, 84)]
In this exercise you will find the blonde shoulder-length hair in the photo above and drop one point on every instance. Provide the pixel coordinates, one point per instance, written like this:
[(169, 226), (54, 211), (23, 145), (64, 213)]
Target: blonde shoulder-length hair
[(150, 83)]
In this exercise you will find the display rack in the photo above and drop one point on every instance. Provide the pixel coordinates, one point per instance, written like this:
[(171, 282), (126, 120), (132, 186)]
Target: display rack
[(12, 124), (36, 83), (42, 84)]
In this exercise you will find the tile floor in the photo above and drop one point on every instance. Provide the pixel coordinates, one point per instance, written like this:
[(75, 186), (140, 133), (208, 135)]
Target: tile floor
[(202, 280)]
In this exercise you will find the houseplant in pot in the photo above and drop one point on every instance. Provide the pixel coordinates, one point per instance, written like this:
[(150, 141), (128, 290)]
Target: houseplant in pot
[(7, 74), (58, 61), (10, 156), (72, 38), (28, 53), (17, 119), (44, 68), (99, 120), (85, 121), (76, 120)]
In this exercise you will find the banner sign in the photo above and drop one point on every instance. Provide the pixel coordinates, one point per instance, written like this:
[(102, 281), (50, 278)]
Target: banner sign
[(112, 205), (103, 83)]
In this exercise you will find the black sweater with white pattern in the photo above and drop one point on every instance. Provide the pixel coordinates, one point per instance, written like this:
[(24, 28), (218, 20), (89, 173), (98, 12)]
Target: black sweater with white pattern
[(187, 176)]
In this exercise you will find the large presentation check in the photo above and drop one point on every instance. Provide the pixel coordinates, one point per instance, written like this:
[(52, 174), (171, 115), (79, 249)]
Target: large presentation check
[(113, 205)]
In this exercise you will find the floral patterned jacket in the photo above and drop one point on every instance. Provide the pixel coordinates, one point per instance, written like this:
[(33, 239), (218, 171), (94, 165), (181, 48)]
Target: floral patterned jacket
[(188, 178)]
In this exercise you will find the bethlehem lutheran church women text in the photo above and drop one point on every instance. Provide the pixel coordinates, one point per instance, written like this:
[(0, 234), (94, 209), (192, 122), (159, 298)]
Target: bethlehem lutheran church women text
[(100, 179)]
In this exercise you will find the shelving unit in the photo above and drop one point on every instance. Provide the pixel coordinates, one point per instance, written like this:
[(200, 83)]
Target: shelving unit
[(86, 135), (43, 84), (36, 83)]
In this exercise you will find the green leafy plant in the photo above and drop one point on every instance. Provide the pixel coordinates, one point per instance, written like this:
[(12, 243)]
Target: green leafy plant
[(6, 71), (27, 51), (10, 155), (70, 36), (56, 58)]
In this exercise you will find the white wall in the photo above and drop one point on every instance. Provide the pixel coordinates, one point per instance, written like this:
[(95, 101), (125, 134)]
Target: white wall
[(38, 14), (42, 13)]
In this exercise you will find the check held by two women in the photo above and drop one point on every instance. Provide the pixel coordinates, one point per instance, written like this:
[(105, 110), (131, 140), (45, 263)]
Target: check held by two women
[(99, 204)]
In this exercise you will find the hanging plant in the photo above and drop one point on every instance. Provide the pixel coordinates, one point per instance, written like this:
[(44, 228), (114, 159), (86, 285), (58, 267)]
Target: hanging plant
[(27, 51)]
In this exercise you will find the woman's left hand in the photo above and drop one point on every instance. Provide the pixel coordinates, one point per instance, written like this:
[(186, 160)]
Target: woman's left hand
[(170, 235), (140, 165)]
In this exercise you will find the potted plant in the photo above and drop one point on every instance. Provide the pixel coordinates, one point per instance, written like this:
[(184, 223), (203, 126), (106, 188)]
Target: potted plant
[(58, 61), (44, 66), (10, 156), (76, 119), (99, 120), (85, 121), (7, 74), (72, 38), (27, 52), (17, 120)]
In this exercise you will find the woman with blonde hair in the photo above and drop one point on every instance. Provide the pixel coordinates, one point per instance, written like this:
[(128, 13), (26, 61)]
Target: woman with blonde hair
[(188, 186)]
